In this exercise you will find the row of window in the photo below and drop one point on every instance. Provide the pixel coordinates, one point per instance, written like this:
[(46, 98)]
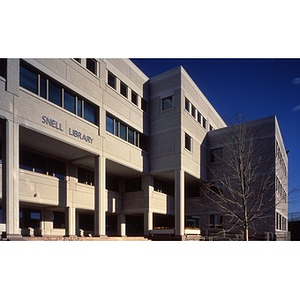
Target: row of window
[(281, 222), (47, 88), (191, 109), (280, 159), (124, 91), (41, 164), (125, 132), (91, 64), (279, 189)]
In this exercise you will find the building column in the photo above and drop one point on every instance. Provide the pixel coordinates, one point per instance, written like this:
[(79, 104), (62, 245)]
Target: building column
[(70, 213), (11, 178), (179, 203), (100, 196), (121, 225), (148, 222)]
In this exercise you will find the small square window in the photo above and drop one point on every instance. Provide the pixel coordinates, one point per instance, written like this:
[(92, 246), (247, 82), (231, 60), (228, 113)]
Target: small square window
[(188, 142), (167, 103), (134, 98), (91, 64), (112, 80), (124, 89)]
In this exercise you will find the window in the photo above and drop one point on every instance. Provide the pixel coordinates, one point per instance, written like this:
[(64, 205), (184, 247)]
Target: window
[(164, 187), (204, 122), (110, 124), (215, 221), (112, 183), (133, 185), (187, 105), (144, 105), (193, 111), (134, 98), (111, 80), (85, 176), (58, 219), (90, 112), (43, 87), (55, 93), (78, 59), (188, 142), (199, 118), (3, 67), (124, 89), (216, 155), (125, 132), (79, 107), (69, 101), (91, 64), (28, 79), (166, 103)]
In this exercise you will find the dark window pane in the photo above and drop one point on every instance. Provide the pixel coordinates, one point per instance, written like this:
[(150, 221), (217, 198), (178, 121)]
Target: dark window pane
[(111, 80), (204, 122), (130, 136), (69, 101), (78, 59), (85, 176), (188, 142), (26, 160), (109, 124), (3, 67), (28, 79), (193, 111), (59, 169), (167, 103), (40, 164), (199, 117), (124, 89), (133, 185), (91, 65), (90, 113), (117, 128), (134, 98), (112, 183), (79, 107), (187, 105), (55, 93), (58, 219), (123, 130), (43, 87)]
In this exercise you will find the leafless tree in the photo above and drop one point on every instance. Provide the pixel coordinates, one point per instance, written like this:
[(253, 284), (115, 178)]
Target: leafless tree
[(242, 176)]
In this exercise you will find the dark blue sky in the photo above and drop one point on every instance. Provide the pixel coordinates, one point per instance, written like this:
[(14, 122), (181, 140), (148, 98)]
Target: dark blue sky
[(256, 88)]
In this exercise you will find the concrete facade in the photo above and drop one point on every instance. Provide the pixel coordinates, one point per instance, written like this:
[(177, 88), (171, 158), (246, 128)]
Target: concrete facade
[(95, 147)]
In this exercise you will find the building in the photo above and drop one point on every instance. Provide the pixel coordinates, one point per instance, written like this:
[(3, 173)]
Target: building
[(95, 147)]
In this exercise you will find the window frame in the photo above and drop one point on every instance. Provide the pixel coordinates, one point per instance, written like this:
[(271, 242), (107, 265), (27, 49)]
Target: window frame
[(124, 86), (188, 142), (169, 106)]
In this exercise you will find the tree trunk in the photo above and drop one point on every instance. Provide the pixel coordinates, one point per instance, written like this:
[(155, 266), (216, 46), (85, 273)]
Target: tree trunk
[(246, 233)]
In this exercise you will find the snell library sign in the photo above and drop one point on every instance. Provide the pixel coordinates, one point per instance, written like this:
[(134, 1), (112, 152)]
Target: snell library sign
[(74, 133)]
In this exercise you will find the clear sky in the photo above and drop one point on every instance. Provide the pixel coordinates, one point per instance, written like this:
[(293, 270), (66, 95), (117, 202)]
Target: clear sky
[(256, 88)]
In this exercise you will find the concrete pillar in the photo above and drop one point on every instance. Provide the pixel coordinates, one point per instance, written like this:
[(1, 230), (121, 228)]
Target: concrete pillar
[(46, 223), (11, 178), (121, 225), (70, 221), (179, 202), (100, 196), (148, 222)]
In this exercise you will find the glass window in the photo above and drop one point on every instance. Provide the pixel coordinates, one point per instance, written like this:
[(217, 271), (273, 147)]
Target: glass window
[(43, 87), (3, 67), (134, 98), (124, 89), (216, 155), (58, 219), (199, 117), (187, 105), (204, 122), (40, 164), (167, 103), (69, 101), (109, 124), (188, 142), (111, 80), (144, 105), (90, 113), (112, 183), (26, 160), (117, 127), (77, 59), (79, 107), (133, 185), (85, 176), (28, 79), (193, 111), (123, 132), (55, 93), (91, 64), (130, 136)]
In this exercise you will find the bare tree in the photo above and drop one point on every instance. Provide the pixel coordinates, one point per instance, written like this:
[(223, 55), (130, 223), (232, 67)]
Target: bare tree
[(242, 177)]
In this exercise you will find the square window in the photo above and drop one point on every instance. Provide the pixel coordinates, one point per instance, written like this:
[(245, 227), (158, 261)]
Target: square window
[(112, 80), (91, 64), (124, 89), (134, 98), (216, 155), (188, 142), (167, 103)]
